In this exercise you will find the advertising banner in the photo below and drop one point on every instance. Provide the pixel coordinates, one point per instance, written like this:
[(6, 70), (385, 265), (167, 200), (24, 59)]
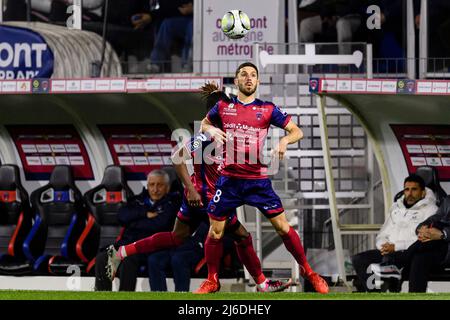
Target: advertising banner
[(41, 148), (24, 54), (222, 54), (139, 148), (425, 145)]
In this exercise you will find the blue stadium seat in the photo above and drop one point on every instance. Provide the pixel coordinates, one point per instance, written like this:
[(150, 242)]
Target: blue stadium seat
[(60, 218), (15, 221)]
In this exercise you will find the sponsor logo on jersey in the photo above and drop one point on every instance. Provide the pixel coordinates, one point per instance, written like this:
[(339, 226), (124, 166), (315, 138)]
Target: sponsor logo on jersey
[(197, 142), (230, 110)]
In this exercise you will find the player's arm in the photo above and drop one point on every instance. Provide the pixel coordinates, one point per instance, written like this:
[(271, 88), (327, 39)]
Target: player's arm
[(214, 132), (294, 135), (179, 158)]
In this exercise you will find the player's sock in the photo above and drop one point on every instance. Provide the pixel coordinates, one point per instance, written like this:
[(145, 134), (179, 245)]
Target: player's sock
[(158, 241), (213, 255), (294, 246), (247, 255)]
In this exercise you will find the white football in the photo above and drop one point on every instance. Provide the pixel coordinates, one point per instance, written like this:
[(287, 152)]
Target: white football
[(235, 24)]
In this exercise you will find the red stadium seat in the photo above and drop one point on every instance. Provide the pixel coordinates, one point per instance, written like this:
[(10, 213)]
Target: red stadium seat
[(15, 221), (103, 203)]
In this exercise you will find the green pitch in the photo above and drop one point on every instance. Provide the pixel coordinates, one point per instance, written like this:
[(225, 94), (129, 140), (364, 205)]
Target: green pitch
[(78, 295)]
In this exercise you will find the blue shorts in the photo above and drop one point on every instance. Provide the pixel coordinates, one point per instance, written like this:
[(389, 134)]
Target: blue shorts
[(234, 192), (193, 216)]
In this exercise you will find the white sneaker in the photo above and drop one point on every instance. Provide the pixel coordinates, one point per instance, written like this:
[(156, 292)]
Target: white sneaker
[(386, 271), (274, 285), (113, 262)]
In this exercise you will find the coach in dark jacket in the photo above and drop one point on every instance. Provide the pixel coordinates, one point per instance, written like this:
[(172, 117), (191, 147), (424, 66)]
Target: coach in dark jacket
[(431, 251), (153, 210)]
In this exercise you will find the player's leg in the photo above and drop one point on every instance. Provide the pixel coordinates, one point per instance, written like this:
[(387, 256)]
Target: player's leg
[(246, 253), (293, 244), (259, 193), (213, 256), (225, 200), (158, 241)]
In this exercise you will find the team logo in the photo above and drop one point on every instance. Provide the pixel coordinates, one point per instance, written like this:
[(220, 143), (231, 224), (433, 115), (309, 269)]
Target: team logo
[(231, 106), (313, 85), (212, 208), (259, 116), (405, 86), (410, 86)]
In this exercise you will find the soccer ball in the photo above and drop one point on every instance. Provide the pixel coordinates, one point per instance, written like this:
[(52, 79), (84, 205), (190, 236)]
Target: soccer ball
[(235, 24)]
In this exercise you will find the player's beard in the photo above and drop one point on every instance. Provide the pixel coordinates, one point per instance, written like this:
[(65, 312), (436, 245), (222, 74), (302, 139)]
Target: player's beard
[(247, 91)]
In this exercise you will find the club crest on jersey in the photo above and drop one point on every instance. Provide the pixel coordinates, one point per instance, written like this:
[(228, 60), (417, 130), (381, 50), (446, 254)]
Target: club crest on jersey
[(259, 116)]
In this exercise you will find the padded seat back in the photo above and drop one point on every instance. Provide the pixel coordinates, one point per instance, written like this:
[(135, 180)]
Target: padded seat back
[(60, 216), (430, 176), (104, 202), (15, 214)]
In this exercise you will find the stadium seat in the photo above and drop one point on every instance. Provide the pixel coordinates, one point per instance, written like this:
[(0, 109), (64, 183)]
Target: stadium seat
[(15, 221), (103, 203), (175, 182), (60, 218), (430, 176)]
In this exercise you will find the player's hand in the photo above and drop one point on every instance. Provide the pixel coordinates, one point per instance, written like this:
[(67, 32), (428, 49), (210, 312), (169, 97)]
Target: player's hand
[(194, 198), (280, 150), (218, 135)]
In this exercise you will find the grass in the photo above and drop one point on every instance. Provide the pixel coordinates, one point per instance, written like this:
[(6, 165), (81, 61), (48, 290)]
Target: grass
[(80, 295)]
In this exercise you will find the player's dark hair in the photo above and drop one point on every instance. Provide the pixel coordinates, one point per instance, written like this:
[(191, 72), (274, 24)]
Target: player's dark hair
[(212, 94), (415, 178), (246, 64)]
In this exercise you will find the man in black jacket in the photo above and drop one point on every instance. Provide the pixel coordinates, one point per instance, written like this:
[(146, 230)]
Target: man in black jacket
[(431, 251), (153, 210)]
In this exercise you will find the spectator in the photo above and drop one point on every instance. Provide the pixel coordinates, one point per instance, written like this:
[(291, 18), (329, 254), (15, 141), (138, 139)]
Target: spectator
[(438, 28), (153, 210), (180, 260), (389, 39), (16, 10), (341, 15), (175, 28), (398, 232)]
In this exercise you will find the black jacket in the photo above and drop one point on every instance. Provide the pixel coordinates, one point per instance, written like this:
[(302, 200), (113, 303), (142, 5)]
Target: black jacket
[(441, 220), (134, 218)]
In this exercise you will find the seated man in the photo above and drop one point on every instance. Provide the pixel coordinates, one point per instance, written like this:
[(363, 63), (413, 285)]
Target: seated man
[(430, 252), (152, 211), (398, 232)]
